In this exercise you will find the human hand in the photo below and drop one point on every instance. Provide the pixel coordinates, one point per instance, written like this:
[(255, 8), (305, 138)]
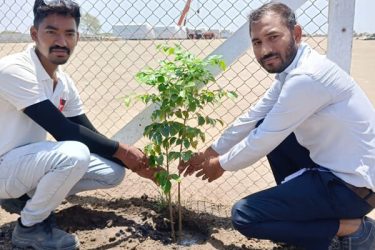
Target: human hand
[(131, 157), (149, 173), (211, 170), (196, 162)]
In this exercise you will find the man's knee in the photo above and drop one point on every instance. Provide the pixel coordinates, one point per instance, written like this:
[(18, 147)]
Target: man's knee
[(75, 155), (243, 217), (114, 178), (106, 172)]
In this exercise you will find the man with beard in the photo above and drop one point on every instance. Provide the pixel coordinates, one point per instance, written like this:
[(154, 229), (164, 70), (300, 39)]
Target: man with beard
[(37, 97), (317, 128)]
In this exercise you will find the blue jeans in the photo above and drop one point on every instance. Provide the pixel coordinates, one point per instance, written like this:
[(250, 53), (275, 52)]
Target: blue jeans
[(304, 211)]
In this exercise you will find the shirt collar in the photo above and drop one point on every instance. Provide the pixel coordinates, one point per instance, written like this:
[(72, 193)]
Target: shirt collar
[(39, 69), (302, 50)]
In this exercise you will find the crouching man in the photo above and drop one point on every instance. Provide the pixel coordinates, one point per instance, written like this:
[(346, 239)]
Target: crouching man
[(37, 97)]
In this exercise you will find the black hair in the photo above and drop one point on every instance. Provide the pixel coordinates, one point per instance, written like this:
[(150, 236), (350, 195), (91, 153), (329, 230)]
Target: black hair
[(281, 9), (63, 7)]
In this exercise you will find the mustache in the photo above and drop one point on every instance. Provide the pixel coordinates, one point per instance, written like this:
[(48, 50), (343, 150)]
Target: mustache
[(269, 56), (59, 48)]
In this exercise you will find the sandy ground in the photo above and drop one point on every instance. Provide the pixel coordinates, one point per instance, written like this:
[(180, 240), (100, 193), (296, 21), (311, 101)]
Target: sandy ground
[(130, 216)]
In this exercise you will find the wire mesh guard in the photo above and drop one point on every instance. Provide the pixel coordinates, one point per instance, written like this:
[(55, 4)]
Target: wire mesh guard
[(119, 38)]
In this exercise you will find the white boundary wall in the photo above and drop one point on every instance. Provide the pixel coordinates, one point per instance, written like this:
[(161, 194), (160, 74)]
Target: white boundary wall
[(170, 32), (134, 31)]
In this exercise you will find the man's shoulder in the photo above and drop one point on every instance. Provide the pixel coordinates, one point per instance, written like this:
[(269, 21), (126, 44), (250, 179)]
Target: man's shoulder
[(15, 62), (314, 65)]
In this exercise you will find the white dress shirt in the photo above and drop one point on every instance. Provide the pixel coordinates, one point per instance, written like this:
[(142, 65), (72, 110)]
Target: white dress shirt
[(328, 112)]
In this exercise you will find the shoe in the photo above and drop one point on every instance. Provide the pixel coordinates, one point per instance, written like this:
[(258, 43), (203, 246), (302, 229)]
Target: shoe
[(14, 206), (363, 241), (43, 236)]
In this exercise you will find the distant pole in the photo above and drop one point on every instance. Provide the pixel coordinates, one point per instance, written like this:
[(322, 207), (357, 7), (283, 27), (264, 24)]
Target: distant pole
[(340, 32)]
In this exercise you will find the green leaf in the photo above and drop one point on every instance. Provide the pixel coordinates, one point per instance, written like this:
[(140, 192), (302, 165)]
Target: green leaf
[(165, 130), (160, 160), (187, 155), (166, 186), (175, 177), (179, 100), (201, 120), (148, 149), (127, 101), (162, 178), (152, 160), (210, 121), (166, 143), (178, 114), (161, 175), (192, 107), (203, 137), (232, 95), (172, 140), (171, 51), (222, 65), (157, 148), (174, 129), (162, 87), (186, 143), (157, 138), (220, 121), (178, 141), (189, 85), (173, 155), (161, 79), (174, 97)]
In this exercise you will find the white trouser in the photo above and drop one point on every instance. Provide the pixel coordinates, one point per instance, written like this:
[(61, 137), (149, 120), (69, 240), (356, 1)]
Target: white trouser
[(50, 171)]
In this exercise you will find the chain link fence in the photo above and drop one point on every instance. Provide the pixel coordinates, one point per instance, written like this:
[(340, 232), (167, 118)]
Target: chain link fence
[(119, 38)]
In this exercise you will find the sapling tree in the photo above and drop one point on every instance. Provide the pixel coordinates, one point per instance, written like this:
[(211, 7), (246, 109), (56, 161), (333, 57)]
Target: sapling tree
[(181, 94)]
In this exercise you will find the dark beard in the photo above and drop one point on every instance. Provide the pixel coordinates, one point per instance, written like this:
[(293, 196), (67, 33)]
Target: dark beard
[(290, 54)]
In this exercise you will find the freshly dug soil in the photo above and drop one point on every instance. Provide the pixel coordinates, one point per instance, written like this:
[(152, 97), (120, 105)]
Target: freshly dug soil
[(139, 223)]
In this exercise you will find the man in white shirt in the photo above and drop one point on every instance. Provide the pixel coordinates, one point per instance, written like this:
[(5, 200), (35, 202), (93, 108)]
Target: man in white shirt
[(37, 97), (317, 128)]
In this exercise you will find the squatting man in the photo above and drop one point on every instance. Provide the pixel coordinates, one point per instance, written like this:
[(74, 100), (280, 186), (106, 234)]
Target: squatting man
[(37, 97), (317, 128)]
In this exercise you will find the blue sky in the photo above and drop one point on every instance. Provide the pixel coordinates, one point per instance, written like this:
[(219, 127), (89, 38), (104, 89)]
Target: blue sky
[(364, 16), (229, 14)]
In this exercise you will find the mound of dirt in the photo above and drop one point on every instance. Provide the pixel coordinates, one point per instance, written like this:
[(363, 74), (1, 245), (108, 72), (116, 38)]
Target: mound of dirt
[(141, 223)]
